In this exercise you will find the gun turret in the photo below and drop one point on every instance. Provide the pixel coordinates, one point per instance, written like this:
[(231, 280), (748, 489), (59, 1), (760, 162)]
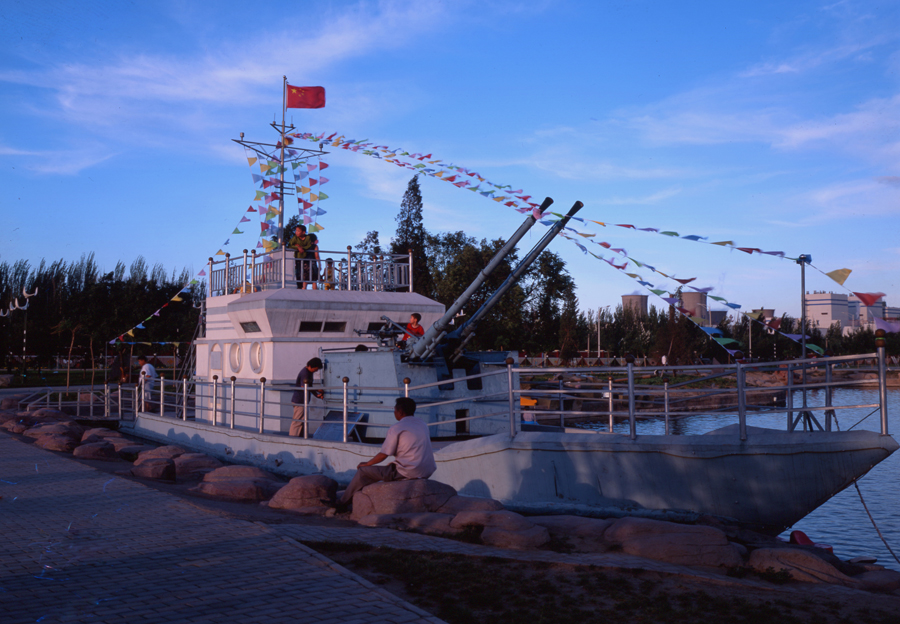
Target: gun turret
[(466, 331), (425, 346)]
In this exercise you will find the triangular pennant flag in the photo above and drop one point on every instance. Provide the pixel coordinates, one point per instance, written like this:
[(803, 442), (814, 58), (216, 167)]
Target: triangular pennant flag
[(176, 298), (237, 231), (140, 326), (869, 299), (840, 275), (313, 197), (323, 180), (252, 161), (220, 253), (202, 273), (322, 196), (245, 219), (724, 243), (323, 165)]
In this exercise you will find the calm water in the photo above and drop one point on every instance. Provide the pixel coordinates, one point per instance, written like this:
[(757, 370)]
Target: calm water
[(842, 521)]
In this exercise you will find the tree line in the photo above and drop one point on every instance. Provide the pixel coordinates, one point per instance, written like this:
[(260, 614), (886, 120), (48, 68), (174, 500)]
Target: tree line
[(79, 309)]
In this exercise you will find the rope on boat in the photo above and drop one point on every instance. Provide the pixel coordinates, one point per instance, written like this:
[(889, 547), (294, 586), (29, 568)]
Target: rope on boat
[(856, 485)]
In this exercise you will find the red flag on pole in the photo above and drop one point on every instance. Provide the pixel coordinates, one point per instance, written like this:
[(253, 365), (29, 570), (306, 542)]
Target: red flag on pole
[(305, 97)]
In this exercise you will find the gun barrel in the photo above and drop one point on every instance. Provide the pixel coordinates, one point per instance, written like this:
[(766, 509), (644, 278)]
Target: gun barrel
[(426, 343), (467, 328)]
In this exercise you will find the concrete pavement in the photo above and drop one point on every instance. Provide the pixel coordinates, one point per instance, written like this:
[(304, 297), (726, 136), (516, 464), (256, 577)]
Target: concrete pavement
[(81, 546)]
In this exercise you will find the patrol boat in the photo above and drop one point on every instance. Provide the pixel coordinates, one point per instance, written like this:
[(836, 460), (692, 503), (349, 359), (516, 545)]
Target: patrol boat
[(260, 329)]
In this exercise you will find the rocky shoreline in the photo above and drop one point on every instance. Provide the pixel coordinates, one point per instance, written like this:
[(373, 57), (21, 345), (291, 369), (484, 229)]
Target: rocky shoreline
[(433, 508)]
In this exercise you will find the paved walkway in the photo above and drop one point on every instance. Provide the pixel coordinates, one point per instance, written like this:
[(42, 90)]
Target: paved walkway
[(80, 546)]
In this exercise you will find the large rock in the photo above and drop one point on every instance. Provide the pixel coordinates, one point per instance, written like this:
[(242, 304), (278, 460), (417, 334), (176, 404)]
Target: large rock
[(69, 428), (674, 543), (47, 414), (306, 491), (6, 381), (582, 534), (243, 483), (160, 468), (56, 442), (879, 580), (505, 520), (457, 504), (133, 451), (801, 565), (166, 452), (11, 401), (15, 425), (97, 450), (407, 496), (195, 465), (100, 432), (428, 523), (504, 529)]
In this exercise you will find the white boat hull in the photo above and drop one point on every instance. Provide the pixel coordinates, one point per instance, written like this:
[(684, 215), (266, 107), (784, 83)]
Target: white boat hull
[(769, 481)]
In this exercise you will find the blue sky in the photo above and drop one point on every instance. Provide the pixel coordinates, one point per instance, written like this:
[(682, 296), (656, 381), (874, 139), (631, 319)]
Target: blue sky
[(772, 124)]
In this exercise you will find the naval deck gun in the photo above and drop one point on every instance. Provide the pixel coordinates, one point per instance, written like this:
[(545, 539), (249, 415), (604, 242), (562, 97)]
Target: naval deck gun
[(450, 387)]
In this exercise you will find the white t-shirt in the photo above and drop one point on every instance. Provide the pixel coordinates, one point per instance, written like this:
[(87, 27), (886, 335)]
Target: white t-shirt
[(148, 373), (410, 444)]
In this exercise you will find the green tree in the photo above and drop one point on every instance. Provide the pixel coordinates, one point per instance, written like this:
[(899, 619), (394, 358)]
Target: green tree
[(370, 244), (411, 236)]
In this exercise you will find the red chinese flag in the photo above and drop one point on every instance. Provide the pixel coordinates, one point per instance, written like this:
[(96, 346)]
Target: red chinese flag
[(305, 97)]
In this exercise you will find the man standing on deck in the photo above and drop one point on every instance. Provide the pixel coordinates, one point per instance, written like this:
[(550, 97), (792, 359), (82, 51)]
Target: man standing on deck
[(300, 243), (148, 379), (305, 378), (408, 441)]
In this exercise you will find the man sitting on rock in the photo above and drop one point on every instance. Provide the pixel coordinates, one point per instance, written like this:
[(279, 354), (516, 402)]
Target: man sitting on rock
[(410, 444)]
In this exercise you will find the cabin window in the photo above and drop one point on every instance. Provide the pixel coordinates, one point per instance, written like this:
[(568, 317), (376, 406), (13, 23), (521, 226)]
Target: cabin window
[(310, 326), (335, 326), (250, 327)]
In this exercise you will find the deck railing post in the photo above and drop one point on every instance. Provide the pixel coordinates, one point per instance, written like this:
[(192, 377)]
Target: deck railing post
[(829, 414), (143, 398), (162, 395), (215, 401), (78, 404), (666, 404), (227, 272), (349, 265), (742, 401), (512, 398), (406, 381), (305, 411), (562, 406), (184, 398), (611, 419), (244, 272), (882, 379), (632, 424), (231, 419), (253, 270), (789, 400), (345, 380), (284, 263), (135, 400), (410, 251), (119, 391), (262, 402), (106, 413), (209, 279)]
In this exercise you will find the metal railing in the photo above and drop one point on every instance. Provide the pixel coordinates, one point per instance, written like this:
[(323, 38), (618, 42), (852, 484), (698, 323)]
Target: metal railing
[(618, 395), (334, 270)]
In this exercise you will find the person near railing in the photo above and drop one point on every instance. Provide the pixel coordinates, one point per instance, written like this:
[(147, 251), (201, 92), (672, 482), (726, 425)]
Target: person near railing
[(148, 380), (312, 260), (408, 441), (300, 243), (305, 378), (328, 275)]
